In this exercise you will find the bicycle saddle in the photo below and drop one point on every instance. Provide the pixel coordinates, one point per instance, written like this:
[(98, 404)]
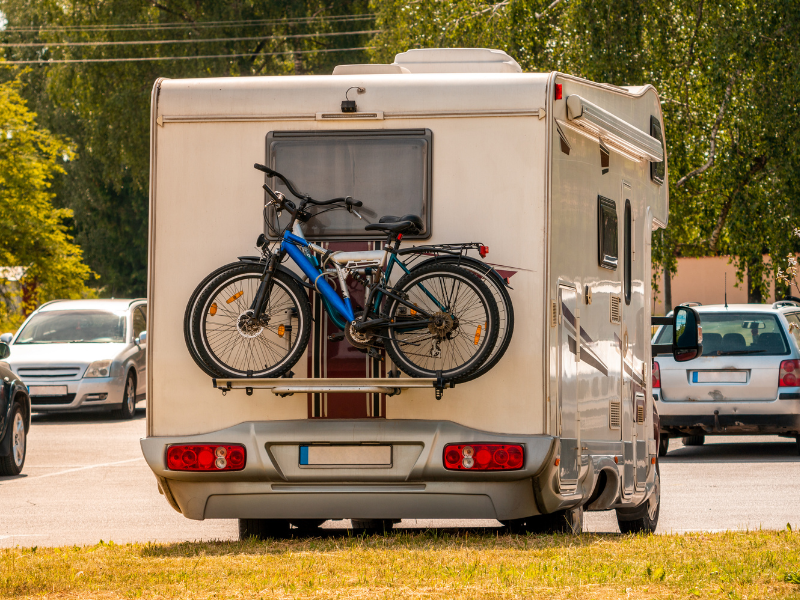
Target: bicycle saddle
[(405, 224)]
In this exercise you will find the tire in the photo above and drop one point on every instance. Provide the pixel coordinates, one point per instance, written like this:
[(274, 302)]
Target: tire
[(561, 521), (797, 441), (226, 349), (128, 408), (694, 440), (187, 316), (13, 463), (373, 526), (643, 518), (263, 529), (470, 308), (505, 308), (663, 445)]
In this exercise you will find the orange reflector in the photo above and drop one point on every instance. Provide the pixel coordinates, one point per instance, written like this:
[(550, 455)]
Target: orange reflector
[(558, 461), (281, 330), (411, 311), (234, 297), (213, 310), (653, 460), (477, 335), (616, 459)]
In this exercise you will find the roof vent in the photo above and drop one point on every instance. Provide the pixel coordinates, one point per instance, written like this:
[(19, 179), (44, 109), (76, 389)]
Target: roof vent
[(457, 60)]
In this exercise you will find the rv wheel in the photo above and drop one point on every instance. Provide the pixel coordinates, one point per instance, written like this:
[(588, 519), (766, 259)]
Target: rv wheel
[(561, 521), (373, 525), (694, 440), (263, 529), (663, 444), (643, 518), (797, 441)]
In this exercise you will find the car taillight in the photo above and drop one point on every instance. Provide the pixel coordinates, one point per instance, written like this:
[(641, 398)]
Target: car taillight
[(656, 376), (483, 457), (206, 457), (789, 373)]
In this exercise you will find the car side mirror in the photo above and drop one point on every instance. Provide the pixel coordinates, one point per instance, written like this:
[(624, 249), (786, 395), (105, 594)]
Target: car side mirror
[(142, 339), (6, 338), (5, 351), (687, 338)]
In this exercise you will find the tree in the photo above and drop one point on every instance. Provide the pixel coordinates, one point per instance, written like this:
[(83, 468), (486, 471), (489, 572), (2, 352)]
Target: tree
[(34, 232)]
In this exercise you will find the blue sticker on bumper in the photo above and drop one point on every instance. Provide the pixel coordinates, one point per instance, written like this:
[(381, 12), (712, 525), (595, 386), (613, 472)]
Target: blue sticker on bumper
[(303, 455)]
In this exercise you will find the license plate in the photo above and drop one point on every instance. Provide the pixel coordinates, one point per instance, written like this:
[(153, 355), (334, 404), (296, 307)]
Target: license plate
[(346, 456), (47, 390), (719, 377)]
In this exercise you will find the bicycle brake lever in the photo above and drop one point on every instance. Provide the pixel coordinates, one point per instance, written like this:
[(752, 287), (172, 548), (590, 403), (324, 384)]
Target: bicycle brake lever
[(355, 212)]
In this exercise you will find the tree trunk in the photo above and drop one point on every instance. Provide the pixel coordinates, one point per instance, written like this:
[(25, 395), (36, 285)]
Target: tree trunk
[(667, 291), (755, 274)]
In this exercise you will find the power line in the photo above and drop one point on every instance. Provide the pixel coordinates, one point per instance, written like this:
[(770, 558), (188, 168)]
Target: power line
[(184, 41), (189, 25), (153, 58)]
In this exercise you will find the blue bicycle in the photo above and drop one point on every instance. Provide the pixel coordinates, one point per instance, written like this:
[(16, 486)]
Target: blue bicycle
[(439, 320)]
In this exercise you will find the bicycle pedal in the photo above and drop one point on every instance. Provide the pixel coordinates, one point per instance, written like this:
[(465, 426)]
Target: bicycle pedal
[(336, 337)]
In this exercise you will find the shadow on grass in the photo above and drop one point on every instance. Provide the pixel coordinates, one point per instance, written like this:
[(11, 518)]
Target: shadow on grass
[(331, 540)]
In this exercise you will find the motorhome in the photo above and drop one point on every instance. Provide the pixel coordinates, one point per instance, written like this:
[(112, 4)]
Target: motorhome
[(563, 179)]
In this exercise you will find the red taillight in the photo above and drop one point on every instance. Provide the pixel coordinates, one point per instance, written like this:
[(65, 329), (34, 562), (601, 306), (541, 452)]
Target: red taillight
[(656, 376), (789, 373), (558, 91), (483, 457), (483, 251), (206, 457)]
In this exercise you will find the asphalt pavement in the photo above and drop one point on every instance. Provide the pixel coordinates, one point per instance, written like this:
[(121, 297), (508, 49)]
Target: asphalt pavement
[(85, 480)]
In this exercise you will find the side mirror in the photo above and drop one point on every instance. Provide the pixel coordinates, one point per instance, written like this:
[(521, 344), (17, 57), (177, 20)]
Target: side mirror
[(142, 339), (6, 338), (687, 338), (5, 351)]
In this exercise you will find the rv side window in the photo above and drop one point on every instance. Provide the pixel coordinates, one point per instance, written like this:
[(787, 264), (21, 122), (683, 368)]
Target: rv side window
[(607, 213), (628, 254), (657, 169), (388, 170)]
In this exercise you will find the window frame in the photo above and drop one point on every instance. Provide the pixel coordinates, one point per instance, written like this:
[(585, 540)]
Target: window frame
[(418, 133), (657, 131), (607, 261), (627, 242)]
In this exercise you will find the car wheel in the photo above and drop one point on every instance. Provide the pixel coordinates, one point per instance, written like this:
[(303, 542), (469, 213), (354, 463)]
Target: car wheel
[(263, 529), (643, 518), (13, 463), (694, 440), (128, 409), (663, 445)]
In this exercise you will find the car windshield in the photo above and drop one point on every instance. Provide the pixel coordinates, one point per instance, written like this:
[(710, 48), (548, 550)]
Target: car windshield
[(727, 334), (73, 326)]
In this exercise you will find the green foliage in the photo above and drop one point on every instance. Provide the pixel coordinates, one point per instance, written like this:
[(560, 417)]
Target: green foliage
[(34, 233), (105, 107)]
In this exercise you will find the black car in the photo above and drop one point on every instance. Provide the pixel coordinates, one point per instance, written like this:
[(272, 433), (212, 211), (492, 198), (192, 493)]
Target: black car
[(15, 418)]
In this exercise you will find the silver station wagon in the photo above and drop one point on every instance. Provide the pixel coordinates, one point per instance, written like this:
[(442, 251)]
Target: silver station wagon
[(76, 354), (747, 380)]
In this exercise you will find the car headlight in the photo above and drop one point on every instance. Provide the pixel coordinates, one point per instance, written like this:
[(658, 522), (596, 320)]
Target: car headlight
[(99, 368)]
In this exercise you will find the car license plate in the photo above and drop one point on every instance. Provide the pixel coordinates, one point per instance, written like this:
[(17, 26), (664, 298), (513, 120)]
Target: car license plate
[(47, 390), (719, 377), (346, 456)]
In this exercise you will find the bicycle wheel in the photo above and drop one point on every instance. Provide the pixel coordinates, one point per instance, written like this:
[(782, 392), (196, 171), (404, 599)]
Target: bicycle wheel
[(505, 329), (231, 344), (188, 314), (460, 333)]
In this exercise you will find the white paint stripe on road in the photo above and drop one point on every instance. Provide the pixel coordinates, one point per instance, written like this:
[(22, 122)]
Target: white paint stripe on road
[(111, 464)]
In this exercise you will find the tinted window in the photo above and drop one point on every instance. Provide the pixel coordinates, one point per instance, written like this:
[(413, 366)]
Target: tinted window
[(607, 234), (727, 334), (657, 169), (139, 322), (389, 171), (73, 326)]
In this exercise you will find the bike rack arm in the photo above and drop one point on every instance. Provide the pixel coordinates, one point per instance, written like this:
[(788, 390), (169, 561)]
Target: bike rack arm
[(283, 386)]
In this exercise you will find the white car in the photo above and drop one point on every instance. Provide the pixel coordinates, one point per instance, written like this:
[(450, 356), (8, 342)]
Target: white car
[(76, 354), (747, 382)]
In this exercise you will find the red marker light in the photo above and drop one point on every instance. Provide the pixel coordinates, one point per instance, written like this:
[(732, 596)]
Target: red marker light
[(483, 457), (558, 91), (656, 376), (483, 251), (206, 457), (399, 236)]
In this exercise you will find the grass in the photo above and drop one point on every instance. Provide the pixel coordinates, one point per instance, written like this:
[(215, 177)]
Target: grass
[(760, 564)]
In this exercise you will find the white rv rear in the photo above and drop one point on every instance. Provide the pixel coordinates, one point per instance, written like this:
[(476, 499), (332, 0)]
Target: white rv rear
[(547, 170)]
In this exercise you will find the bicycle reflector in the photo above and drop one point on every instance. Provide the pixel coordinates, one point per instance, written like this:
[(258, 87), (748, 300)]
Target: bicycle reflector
[(206, 457), (789, 373), (483, 251), (483, 457)]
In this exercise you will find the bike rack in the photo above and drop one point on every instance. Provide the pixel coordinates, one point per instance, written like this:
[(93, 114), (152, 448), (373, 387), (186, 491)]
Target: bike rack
[(288, 386)]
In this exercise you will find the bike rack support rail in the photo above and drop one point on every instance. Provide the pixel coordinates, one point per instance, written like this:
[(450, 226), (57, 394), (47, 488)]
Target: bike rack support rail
[(287, 387)]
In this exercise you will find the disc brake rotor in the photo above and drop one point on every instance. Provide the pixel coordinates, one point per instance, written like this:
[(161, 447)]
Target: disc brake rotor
[(249, 326)]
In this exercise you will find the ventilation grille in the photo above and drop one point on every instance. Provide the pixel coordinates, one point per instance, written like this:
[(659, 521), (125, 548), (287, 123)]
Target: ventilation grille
[(616, 314), (349, 116), (640, 413), (553, 314), (614, 414)]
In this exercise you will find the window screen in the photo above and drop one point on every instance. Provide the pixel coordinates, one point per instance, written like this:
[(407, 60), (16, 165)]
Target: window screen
[(607, 233), (657, 169), (388, 170)]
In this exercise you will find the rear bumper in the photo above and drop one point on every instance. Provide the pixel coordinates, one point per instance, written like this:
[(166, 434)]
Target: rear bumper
[(416, 485)]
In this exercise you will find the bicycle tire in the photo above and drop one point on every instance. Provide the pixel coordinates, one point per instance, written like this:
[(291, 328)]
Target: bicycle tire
[(504, 305), (187, 316), (475, 294), (223, 338)]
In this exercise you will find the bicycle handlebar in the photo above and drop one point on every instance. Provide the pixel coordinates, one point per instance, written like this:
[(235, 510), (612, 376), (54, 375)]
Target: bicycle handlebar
[(272, 173)]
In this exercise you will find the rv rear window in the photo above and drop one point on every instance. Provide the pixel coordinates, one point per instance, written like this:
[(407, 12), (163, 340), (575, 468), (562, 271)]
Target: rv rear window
[(607, 233), (388, 170), (657, 169)]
